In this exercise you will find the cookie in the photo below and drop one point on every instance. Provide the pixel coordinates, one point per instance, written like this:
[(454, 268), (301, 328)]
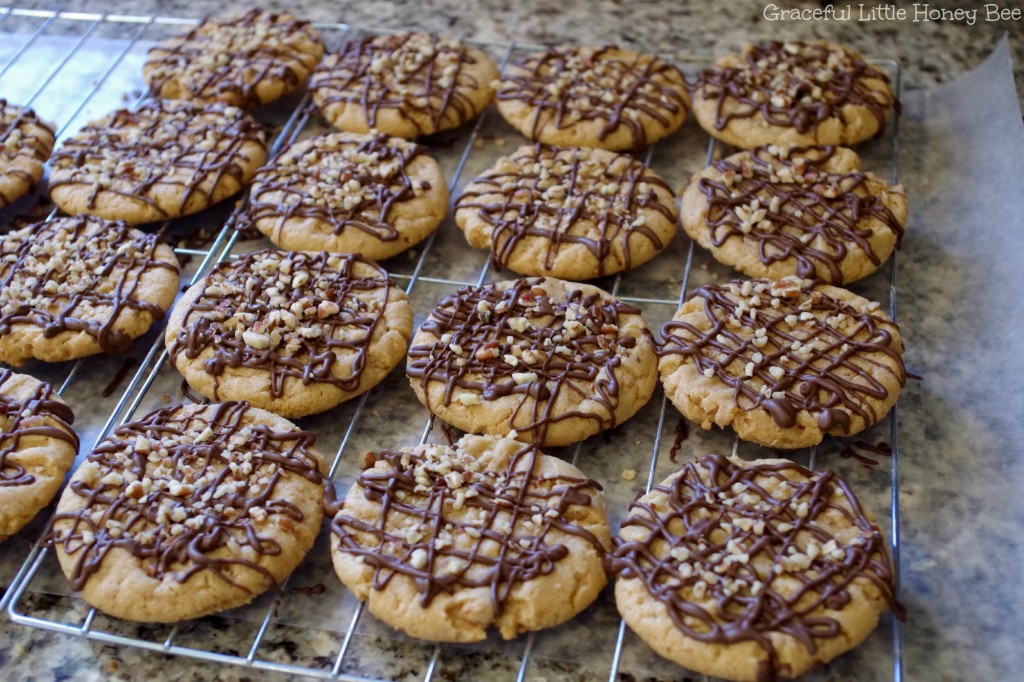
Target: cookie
[(37, 447), (782, 362), (25, 144), (443, 542), (806, 211), (73, 287), (407, 85), (165, 160), (571, 213), (244, 60), (793, 93), (350, 193), (751, 571), (290, 332), (541, 360), (191, 510), (593, 97)]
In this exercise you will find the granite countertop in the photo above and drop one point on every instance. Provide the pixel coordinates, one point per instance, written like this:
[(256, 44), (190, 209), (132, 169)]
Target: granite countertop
[(958, 427)]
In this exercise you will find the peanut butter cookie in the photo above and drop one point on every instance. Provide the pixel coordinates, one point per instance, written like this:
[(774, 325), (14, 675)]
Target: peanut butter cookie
[(37, 447), (191, 510), (25, 144), (751, 571), (444, 541), (571, 213), (593, 97), (73, 287), (294, 333), (165, 160), (406, 85), (793, 93), (239, 59), (543, 360), (805, 211), (349, 193), (782, 362)]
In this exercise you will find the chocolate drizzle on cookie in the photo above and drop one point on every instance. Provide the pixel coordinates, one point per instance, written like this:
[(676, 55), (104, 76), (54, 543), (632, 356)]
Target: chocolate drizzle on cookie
[(346, 181), (227, 59), (186, 489), (618, 89), (423, 77), (784, 347), (448, 521), (738, 552), (20, 130), (796, 85), (790, 203), (164, 147), (291, 314), (77, 274), (41, 414), (493, 342), (568, 196)]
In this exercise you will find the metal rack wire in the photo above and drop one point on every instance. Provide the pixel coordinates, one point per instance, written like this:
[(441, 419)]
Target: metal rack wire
[(143, 387)]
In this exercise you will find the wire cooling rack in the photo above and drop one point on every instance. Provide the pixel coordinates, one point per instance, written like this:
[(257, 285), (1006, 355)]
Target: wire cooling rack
[(72, 67)]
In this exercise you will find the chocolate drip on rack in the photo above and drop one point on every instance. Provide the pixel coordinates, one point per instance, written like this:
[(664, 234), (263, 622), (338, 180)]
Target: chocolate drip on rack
[(166, 145), (551, 191), (795, 85), (416, 74), (179, 486), (571, 85), (348, 182), (41, 414), (570, 346), (53, 274), (740, 523), (519, 510), (804, 211), (807, 352), (228, 58), (257, 313)]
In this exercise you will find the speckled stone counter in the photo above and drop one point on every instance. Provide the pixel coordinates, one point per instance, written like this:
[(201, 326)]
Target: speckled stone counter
[(959, 305)]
